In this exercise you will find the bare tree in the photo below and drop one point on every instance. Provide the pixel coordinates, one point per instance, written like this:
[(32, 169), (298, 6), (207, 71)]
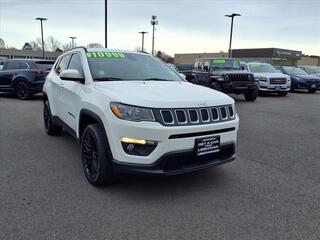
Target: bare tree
[(66, 46), (52, 43), (35, 45), (165, 57), (27, 46)]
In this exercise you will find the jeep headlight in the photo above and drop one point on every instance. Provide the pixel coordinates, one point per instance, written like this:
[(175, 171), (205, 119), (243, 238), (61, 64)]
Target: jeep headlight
[(132, 113), (217, 77)]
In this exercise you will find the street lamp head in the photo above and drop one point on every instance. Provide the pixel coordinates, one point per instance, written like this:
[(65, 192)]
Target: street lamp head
[(143, 32), (154, 20), (73, 37), (233, 15), (41, 18)]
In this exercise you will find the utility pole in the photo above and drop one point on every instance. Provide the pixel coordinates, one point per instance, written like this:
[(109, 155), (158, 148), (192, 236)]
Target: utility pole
[(142, 45), (231, 30), (105, 24), (41, 19), (154, 22)]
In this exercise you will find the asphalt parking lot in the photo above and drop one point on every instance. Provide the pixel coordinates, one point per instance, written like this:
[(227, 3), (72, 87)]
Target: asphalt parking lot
[(272, 190)]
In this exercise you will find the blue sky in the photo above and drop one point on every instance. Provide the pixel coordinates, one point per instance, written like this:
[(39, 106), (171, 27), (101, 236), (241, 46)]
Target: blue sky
[(184, 25)]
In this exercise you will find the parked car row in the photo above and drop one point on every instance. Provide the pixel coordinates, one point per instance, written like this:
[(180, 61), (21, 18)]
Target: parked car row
[(250, 78)]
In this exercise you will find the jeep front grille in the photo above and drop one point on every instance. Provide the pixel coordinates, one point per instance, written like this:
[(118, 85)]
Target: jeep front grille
[(194, 116), (239, 77)]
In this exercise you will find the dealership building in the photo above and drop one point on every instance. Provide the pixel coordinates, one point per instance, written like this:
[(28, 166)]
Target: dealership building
[(276, 56), (15, 53)]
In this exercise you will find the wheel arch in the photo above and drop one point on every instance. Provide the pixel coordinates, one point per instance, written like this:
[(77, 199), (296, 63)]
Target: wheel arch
[(18, 79), (87, 117)]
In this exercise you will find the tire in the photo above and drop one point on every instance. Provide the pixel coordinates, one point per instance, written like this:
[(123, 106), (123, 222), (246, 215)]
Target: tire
[(51, 128), (312, 90), (22, 90), (95, 155), (251, 95), (282, 93), (292, 89)]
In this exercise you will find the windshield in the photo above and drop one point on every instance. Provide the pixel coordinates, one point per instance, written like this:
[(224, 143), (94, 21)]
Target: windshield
[(314, 69), (262, 68), (106, 66), (295, 71), (225, 64)]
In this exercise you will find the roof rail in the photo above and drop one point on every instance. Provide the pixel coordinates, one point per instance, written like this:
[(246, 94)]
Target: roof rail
[(83, 47)]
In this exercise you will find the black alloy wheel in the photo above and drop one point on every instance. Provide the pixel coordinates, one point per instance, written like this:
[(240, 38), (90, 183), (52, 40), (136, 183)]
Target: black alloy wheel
[(96, 156), (22, 91)]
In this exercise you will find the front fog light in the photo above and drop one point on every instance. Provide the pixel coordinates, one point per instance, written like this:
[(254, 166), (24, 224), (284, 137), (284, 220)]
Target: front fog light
[(139, 147)]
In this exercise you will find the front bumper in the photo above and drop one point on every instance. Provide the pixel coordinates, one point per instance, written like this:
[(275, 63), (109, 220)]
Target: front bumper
[(169, 139), (307, 85), (238, 86), (179, 162), (267, 87)]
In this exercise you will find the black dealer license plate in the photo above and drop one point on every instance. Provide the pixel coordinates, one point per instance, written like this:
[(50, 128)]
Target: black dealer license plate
[(207, 145)]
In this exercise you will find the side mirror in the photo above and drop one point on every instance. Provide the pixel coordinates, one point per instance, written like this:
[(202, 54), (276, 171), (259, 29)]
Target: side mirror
[(205, 68), (242, 68), (71, 75)]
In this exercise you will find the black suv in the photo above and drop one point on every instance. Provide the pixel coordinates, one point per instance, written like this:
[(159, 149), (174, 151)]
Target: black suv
[(24, 77), (186, 69), (225, 75)]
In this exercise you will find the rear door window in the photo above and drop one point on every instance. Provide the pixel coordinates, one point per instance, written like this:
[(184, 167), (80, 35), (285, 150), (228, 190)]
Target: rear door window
[(200, 65), (16, 65), (196, 65)]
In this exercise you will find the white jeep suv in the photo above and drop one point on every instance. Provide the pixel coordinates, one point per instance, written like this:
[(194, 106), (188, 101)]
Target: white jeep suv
[(132, 112), (269, 79)]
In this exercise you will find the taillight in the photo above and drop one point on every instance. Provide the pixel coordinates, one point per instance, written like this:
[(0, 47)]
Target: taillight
[(38, 72)]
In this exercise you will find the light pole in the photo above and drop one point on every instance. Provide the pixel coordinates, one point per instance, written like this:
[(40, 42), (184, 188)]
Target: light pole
[(142, 33), (154, 22), (231, 30), (72, 41), (41, 19), (105, 24)]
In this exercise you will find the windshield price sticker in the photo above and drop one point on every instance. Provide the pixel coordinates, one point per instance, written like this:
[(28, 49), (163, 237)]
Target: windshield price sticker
[(255, 65), (219, 61), (105, 55)]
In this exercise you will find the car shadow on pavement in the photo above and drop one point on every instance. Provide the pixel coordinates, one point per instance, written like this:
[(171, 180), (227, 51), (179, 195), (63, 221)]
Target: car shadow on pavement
[(37, 96), (141, 187)]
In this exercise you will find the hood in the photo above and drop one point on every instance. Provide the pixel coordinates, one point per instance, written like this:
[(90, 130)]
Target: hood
[(271, 75), (307, 77), (226, 71), (162, 94)]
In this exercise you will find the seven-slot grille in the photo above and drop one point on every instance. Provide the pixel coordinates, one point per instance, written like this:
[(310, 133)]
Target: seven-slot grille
[(278, 80), (239, 77), (194, 116)]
